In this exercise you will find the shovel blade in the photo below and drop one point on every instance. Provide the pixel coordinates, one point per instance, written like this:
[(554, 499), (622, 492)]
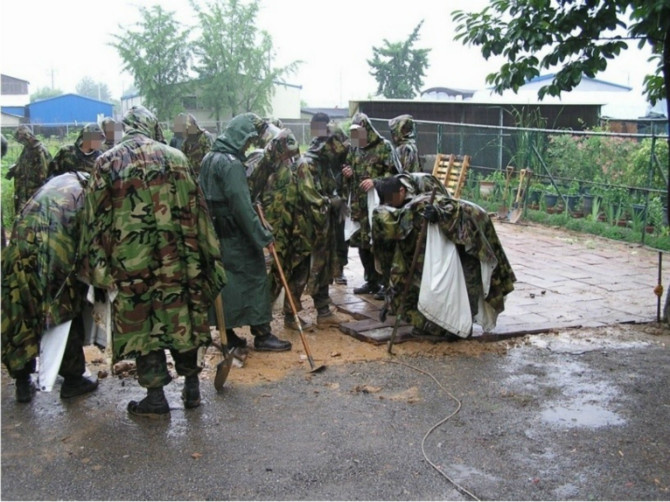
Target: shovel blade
[(222, 371), (515, 215)]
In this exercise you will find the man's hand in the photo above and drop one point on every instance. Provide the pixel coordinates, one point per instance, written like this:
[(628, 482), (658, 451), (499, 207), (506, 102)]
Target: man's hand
[(367, 184), (271, 247), (347, 171)]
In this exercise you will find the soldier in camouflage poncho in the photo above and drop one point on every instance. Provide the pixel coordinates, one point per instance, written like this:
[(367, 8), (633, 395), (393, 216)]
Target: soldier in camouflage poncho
[(246, 297), (197, 143), (39, 287), (30, 169), (113, 131), (370, 159), (293, 208), (147, 238), (396, 227), (403, 137), (80, 156)]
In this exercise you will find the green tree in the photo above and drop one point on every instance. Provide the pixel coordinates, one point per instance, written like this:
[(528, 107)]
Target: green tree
[(398, 68), (233, 59), (44, 93), (157, 55), (96, 90), (579, 36)]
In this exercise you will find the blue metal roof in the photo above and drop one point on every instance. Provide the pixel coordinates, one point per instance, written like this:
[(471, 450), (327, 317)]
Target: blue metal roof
[(68, 109)]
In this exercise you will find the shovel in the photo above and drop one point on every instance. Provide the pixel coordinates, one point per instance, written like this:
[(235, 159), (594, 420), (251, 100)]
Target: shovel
[(223, 368), (287, 291), (504, 210), (524, 176), (514, 215)]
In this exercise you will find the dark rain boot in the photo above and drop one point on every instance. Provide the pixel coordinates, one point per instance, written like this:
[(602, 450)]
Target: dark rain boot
[(190, 394), (264, 340), (25, 389), (155, 405), (76, 386), (234, 341)]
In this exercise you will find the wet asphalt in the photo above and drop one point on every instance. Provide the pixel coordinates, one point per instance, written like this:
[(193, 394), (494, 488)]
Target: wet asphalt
[(572, 415)]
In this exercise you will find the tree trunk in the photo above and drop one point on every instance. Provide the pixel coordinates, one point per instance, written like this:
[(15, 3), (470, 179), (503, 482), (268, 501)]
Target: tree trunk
[(666, 79)]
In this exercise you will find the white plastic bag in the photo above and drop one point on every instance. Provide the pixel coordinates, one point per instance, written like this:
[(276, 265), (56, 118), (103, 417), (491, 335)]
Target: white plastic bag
[(443, 298), (52, 348)]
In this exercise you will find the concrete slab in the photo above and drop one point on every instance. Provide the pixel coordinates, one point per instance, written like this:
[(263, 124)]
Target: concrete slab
[(564, 280)]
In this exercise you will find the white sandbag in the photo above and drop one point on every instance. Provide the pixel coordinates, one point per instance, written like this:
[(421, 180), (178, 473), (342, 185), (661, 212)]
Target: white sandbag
[(443, 298), (52, 348)]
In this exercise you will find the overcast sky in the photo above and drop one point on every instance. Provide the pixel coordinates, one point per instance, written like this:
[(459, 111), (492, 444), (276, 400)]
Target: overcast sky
[(60, 42)]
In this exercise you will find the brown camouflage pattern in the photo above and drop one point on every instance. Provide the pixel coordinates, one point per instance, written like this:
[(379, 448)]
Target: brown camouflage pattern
[(403, 137), (395, 232), (197, 143), (71, 158), (39, 285), (376, 160), (31, 167), (147, 234)]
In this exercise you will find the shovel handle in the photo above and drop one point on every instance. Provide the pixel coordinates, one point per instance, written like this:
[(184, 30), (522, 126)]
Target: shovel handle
[(220, 320), (287, 290)]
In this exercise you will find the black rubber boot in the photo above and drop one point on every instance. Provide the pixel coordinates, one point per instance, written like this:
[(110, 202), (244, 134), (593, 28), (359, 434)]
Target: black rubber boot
[(25, 389), (369, 288), (155, 405), (264, 340), (235, 341), (76, 386), (190, 394)]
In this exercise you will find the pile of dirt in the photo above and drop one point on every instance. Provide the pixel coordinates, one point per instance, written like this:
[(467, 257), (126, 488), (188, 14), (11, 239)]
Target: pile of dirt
[(332, 347)]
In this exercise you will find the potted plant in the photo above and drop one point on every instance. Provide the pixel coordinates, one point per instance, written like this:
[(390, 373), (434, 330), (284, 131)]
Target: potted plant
[(550, 198), (486, 187), (572, 196)]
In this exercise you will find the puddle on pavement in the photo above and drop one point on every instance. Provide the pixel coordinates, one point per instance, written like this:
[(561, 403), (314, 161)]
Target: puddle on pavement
[(568, 343), (578, 414), (570, 392)]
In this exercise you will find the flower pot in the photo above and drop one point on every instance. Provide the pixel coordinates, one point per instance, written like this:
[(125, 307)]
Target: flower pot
[(550, 199), (587, 203), (572, 201), (486, 188)]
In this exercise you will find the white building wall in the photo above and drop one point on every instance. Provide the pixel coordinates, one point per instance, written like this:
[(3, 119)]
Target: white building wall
[(285, 103)]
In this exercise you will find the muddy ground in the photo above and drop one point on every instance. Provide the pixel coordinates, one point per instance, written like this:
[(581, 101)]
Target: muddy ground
[(565, 415)]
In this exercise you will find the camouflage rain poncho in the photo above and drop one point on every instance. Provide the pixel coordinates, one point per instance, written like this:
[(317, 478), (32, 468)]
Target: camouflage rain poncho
[(196, 144), (39, 285), (403, 137), (376, 160), (71, 158), (147, 234), (293, 206), (30, 169), (395, 231), (324, 158), (246, 297)]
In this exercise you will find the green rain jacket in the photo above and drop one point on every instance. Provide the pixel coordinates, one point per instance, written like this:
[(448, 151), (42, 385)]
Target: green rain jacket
[(246, 297)]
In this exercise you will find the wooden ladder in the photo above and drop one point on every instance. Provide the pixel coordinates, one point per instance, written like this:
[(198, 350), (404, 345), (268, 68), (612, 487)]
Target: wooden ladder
[(452, 171)]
